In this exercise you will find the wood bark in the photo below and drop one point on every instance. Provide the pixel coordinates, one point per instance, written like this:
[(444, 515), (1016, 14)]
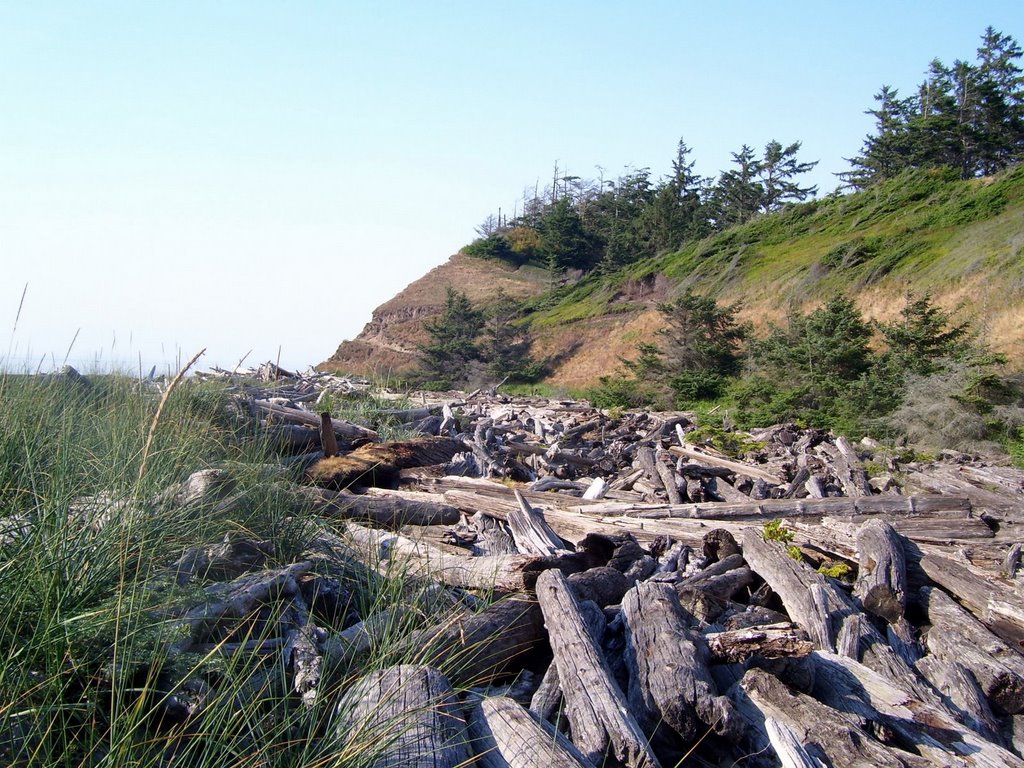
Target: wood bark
[(378, 464), (961, 694), (596, 707), (405, 716)]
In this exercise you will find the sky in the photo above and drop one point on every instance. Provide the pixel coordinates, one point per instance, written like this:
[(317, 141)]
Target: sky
[(254, 178)]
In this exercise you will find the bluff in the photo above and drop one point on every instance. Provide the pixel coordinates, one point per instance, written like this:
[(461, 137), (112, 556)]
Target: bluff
[(962, 242)]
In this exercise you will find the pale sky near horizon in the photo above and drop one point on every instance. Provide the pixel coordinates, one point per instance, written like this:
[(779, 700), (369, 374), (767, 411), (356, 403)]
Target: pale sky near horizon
[(259, 176)]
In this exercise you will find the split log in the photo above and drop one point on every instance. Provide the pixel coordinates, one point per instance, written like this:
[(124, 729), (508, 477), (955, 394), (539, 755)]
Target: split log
[(850, 687), (474, 648), (507, 736), (957, 636), (531, 533), (596, 708), (405, 715), (378, 464), (881, 582), (824, 733), (669, 681)]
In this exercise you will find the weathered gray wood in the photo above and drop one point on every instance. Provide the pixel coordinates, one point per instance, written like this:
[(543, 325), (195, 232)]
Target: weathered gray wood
[(604, 585), (851, 473), (596, 707), (852, 688), (881, 582), (997, 606), (771, 508), (507, 736), (961, 694), (821, 730), (788, 747), (502, 573), (385, 511), (406, 716), (957, 636), (668, 662), (298, 416), (735, 466), (474, 648), (547, 698), (810, 600), (531, 533)]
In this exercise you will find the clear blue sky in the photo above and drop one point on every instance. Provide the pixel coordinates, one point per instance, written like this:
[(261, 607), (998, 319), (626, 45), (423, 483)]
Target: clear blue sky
[(256, 175)]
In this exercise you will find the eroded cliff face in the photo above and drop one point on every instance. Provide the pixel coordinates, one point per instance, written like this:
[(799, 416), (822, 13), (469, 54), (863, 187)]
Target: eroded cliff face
[(388, 344)]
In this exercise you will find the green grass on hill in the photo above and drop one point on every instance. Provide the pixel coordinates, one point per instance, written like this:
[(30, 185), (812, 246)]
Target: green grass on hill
[(922, 230)]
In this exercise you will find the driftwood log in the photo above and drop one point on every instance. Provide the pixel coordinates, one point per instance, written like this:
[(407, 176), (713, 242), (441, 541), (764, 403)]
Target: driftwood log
[(597, 710)]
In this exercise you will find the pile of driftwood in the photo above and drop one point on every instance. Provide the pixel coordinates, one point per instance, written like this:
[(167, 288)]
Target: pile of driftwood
[(614, 593)]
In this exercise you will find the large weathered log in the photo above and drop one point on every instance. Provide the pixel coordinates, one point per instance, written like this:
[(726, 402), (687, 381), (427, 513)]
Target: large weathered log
[(735, 466), (957, 636), (547, 699), (669, 681), (501, 573), (507, 736), (997, 606), (405, 716), (768, 642), (596, 708), (291, 415), (825, 734), (852, 688), (810, 600), (474, 648), (771, 508), (882, 571), (961, 694), (378, 464), (385, 511)]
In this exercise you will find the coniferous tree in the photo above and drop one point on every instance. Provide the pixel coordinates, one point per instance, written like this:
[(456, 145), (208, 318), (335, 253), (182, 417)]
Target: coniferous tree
[(506, 346), (777, 172), (738, 194), (446, 359)]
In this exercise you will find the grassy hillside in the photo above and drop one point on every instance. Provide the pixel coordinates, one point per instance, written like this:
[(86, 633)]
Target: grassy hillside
[(926, 231)]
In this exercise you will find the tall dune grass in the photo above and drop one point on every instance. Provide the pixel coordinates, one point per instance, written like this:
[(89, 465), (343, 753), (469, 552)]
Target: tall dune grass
[(86, 677)]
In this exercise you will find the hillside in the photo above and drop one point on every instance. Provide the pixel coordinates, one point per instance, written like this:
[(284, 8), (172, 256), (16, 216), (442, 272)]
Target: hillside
[(926, 231)]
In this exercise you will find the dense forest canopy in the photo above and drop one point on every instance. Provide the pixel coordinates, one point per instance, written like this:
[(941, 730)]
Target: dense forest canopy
[(966, 116)]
